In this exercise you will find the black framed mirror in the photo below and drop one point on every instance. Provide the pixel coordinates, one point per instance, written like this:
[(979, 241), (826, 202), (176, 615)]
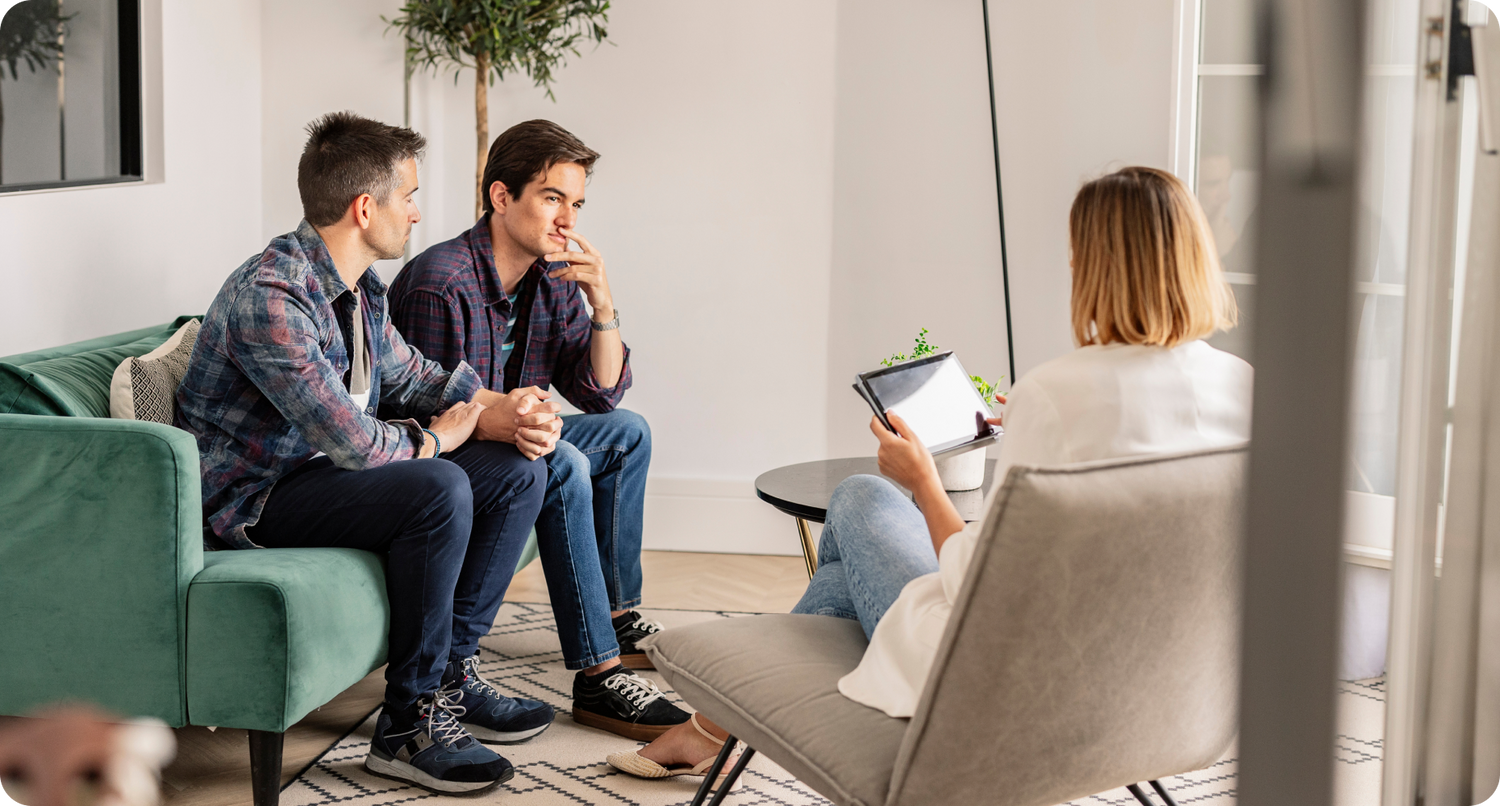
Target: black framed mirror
[(70, 94)]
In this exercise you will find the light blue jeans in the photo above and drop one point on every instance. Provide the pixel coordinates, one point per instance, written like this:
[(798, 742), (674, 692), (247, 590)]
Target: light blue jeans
[(589, 532), (875, 540)]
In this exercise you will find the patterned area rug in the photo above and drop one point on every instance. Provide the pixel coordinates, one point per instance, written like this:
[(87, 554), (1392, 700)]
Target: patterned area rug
[(566, 765)]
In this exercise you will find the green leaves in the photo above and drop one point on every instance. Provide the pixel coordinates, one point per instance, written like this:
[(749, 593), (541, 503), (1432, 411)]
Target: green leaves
[(922, 348), (919, 349), (30, 34), (533, 37)]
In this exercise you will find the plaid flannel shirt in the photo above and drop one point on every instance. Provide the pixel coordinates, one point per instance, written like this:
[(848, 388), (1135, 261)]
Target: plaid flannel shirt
[(265, 389), (449, 303)]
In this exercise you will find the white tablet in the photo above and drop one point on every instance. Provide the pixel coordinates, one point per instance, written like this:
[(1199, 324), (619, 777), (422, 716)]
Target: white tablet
[(935, 397)]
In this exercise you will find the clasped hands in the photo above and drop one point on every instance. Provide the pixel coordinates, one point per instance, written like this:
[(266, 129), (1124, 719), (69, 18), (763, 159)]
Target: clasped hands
[(526, 418)]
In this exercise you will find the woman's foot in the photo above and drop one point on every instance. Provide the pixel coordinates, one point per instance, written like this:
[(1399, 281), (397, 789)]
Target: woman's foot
[(682, 746), (688, 749)]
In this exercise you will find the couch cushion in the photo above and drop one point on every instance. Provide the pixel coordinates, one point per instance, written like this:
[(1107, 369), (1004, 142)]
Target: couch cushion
[(70, 385), (275, 633), (73, 380), (773, 682), (145, 388)]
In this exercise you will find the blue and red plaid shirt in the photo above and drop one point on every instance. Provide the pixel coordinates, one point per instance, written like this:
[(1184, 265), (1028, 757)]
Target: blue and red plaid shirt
[(265, 388), (449, 304)]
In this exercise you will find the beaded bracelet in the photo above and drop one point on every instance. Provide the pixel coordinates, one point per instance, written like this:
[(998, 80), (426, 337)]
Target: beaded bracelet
[(437, 444)]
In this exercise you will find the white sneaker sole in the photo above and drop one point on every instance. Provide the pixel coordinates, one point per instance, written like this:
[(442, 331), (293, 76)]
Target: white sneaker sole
[(488, 736), (401, 771)]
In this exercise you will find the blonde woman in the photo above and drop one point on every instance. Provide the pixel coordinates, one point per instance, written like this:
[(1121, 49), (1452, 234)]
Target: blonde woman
[(1147, 288)]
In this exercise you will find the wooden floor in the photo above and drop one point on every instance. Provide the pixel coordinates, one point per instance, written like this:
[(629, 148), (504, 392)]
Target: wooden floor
[(213, 767)]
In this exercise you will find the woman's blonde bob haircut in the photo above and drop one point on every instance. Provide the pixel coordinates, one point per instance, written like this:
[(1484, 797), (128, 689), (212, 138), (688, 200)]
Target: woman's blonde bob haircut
[(1145, 269)]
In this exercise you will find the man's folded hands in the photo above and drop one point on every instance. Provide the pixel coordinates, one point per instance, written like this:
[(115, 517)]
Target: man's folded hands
[(526, 418)]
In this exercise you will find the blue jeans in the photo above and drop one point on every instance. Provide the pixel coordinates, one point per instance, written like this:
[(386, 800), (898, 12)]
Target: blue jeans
[(875, 540), (452, 530), (589, 532)]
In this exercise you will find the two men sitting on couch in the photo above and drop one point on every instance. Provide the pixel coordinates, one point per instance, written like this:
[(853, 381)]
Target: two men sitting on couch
[(309, 407)]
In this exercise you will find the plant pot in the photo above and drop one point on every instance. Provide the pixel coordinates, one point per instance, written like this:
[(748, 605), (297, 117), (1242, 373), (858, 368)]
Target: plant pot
[(962, 472)]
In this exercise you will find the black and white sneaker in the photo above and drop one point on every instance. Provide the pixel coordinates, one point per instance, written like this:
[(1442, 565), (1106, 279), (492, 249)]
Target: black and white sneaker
[(630, 628), (624, 703)]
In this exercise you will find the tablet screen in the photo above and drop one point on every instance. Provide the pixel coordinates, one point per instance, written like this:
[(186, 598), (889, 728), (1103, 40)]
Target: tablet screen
[(935, 398)]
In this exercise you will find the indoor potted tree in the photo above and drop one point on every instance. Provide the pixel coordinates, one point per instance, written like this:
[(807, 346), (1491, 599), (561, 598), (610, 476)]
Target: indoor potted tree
[(496, 37), (966, 470)]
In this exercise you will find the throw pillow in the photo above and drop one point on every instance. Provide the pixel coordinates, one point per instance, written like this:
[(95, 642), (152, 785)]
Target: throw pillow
[(145, 388)]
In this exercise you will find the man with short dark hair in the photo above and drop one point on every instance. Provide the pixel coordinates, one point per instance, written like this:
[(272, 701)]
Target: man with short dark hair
[(507, 298), (306, 401)]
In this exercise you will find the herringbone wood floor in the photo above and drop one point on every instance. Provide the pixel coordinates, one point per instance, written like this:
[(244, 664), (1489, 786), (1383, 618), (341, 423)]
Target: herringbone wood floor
[(213, 767)]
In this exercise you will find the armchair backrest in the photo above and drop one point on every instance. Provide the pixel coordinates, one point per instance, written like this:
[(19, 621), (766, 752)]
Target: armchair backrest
[(1095, 642)]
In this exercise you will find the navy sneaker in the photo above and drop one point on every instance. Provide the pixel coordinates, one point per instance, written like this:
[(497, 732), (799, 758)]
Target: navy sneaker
[(489, 715), (424, 744), (625, 704), (631, 628)]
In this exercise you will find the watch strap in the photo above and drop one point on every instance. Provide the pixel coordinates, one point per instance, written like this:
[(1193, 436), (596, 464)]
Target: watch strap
[(610, 325)]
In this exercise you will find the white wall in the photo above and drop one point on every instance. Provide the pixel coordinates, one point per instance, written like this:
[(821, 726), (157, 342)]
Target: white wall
[(916, 226), (1082, 89), (83, 263), (322, 57)]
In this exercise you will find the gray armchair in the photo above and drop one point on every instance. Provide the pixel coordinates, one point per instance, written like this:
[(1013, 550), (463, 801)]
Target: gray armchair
[(1095, 644)]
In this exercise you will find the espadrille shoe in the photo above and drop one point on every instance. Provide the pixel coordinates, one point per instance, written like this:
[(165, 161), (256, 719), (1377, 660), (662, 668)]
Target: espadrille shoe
[(633, 763)]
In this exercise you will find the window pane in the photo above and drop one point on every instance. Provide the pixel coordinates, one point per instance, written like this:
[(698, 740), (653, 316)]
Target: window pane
[(1228, 32)]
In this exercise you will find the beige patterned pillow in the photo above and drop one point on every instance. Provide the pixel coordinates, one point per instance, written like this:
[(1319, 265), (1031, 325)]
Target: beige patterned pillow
[(145, 388)]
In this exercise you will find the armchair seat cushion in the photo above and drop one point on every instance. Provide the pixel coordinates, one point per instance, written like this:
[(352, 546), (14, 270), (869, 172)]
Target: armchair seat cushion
[(773, 681), (275, 633)]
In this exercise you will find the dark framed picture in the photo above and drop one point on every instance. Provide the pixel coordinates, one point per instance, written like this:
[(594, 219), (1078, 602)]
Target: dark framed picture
[(70, 94)]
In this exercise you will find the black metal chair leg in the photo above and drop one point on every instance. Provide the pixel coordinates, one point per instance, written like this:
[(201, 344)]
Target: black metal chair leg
[(713, 772), (265, 767), (1165, 795), (1135, 789), (734, 775)]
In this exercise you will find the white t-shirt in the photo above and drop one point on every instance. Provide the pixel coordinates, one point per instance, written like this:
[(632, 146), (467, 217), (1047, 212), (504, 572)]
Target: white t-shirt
[(359, 356), (1097, 402)]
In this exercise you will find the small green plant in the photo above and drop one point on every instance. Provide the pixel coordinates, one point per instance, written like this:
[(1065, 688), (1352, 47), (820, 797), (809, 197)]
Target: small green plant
[(923, 348)]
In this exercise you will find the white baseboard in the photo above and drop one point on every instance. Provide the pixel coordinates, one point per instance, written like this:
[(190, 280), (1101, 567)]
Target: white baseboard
[(711, 515)]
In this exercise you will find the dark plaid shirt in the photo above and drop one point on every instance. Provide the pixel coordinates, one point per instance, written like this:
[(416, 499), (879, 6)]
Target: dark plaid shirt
[(265, 387), (448, 303)]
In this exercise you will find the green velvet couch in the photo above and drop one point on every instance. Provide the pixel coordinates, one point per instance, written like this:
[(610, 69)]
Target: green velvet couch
[(106, 593)]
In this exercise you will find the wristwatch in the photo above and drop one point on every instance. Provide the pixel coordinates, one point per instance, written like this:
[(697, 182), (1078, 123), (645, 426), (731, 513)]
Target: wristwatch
[(610, 325)]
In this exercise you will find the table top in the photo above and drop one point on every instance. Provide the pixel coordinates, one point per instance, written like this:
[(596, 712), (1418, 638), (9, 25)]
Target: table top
[(802, 491)]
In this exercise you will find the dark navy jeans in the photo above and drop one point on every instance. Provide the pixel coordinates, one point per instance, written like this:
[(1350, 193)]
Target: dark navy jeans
[(452, 530), (589, 532)]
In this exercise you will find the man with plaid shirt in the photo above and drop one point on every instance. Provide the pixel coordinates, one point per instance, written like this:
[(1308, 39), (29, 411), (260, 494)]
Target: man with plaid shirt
[(507, 298), (318, 425)]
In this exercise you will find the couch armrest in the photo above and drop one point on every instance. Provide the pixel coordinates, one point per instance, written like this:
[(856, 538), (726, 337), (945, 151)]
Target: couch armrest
[(100, 534)]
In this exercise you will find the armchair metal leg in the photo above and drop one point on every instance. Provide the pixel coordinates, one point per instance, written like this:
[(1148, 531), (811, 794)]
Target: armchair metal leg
[(713, 772), (265, 767), (1165, 795), (734, 775), (1135, 789)]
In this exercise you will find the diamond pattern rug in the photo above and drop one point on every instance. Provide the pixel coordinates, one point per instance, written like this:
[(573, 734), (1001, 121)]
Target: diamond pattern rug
[(565, 765)]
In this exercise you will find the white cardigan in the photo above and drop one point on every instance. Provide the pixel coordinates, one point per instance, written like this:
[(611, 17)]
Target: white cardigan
[(1098, 402)]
